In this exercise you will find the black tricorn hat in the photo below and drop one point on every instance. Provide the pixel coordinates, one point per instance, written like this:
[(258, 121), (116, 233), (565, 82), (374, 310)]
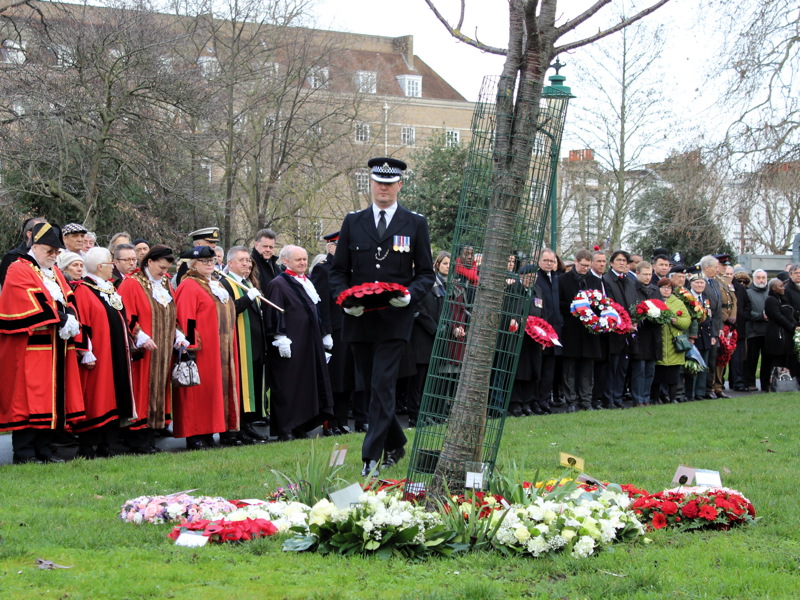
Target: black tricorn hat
[(47, 234), (199, 252)]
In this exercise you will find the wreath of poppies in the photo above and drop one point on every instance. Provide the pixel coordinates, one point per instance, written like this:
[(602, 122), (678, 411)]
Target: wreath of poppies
[(727, 344), (541, 331), (373, 295), (595, 311), (625, 324)]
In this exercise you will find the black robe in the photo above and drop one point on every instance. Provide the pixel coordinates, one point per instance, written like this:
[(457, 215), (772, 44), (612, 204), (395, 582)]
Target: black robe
[(301, 395)]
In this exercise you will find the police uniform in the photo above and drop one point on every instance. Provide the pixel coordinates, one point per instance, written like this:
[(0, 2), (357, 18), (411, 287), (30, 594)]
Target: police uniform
[(210, 235), (402, 254)]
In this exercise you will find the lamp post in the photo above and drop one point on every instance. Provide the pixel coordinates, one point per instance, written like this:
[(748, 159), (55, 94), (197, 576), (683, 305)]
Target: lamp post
[(557, 97)]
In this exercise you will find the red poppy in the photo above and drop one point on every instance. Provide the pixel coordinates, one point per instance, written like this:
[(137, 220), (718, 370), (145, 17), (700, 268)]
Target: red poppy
[(659, 521), (669, 507), (708, 513)]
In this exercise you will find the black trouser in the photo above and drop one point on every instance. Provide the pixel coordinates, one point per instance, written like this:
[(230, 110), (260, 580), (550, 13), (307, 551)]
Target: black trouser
[(544, 387), (31, 443), (377, 368), (755, 349)]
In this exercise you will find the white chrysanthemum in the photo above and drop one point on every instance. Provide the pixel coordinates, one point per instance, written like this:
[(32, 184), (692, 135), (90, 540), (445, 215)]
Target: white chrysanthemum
[(537, 546), (583, 547)]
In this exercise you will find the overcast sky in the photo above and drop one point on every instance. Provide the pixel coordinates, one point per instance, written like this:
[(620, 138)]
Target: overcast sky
[(688, 55)]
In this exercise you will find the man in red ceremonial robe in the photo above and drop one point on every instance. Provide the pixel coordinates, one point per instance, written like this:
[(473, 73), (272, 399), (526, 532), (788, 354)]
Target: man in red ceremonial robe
[(41, 388), (301, 391), (207, 315), (105, 360)]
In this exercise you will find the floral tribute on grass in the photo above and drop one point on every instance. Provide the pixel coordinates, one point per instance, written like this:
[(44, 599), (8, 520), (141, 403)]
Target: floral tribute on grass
[(176, 508), (555, 516), (595, 311), (656, 311), (687, 508)]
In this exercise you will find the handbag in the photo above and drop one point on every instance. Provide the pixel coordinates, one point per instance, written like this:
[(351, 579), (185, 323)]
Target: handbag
[(781, 380), (681, 343), (185, 373)]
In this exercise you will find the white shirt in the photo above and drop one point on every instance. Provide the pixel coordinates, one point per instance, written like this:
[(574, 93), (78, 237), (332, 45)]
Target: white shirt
[(376, 213)]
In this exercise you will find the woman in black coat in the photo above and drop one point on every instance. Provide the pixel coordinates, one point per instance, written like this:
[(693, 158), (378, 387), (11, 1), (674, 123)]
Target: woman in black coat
[(645, 347), (529, 365), (781, 324)]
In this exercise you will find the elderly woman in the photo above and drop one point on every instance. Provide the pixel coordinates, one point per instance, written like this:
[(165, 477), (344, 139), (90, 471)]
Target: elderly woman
[(207, 315), (105, 358), (668, 368), (781, 324), (71, 265), (150, 307)]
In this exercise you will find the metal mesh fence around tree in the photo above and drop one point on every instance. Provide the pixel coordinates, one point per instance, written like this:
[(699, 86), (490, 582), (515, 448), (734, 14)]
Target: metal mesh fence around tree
[(500, 228)]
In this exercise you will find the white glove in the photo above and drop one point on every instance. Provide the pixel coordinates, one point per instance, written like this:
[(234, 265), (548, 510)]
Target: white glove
[(253, 293), (70, 329), (141, 338), (327, 342), (283, 344), (355, 311), (401, 302)]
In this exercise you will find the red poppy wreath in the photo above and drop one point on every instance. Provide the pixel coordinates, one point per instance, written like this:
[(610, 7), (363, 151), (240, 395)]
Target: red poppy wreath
[(373, 295)]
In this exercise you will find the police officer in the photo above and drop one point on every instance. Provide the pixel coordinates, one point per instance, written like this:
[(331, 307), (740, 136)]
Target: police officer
[(384, 242)]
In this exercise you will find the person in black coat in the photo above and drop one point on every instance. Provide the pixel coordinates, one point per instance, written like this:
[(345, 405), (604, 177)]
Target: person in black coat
[(340, 366), (265, 261), (581, 347), (21, 250), (645, 344), (547, 284), (622, 290), (387, 243), (529, 365), (781, 324), (700, 335)]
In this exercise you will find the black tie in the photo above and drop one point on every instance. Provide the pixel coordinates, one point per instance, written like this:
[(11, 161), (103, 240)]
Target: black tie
[(382, 224)]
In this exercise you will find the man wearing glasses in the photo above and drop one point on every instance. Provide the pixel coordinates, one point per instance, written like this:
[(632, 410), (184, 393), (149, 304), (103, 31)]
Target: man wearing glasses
[(124, 262)]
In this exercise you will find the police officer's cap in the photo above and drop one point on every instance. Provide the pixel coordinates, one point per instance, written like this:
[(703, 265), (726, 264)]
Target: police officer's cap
[(386, 170), (331, 237), (199, 252)]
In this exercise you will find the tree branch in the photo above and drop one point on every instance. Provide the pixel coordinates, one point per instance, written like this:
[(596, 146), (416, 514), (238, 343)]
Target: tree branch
[(618, 27), (587, 14), (456, 31)]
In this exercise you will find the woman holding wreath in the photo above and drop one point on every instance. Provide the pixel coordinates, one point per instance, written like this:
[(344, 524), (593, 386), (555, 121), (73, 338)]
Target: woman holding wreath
[(668, 369), (207, 315)]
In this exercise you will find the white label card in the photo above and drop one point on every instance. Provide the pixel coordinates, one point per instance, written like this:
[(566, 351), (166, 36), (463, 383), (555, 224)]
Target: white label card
[(337, 455), (191, 539), (346, 497), (707, 478), (474, 480)]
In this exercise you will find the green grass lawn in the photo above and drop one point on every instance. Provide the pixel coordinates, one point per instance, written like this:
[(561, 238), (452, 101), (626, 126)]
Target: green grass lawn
[(68, 514)]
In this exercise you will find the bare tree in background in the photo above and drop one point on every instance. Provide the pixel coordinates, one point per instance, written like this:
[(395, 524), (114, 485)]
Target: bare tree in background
[(533, 43)]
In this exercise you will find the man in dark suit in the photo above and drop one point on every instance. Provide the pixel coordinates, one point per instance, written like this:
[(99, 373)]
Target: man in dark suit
[(387, 243), (708, 265), (581, 347), (621, 290), (547, 285)]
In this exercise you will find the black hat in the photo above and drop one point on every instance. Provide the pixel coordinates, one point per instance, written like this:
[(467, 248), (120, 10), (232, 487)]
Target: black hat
[(199, 252), (694, 270), (158, 252), (679, 268), (138, 241), (386, 170), (725, 259), (331, 237), (207, 234), (660, 252), (47, 235)]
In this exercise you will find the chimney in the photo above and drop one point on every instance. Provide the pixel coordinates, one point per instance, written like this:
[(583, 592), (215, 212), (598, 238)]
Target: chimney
[(405, 46)]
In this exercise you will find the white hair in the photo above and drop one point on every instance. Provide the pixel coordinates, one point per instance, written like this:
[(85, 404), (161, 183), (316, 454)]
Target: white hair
[(94, 257)]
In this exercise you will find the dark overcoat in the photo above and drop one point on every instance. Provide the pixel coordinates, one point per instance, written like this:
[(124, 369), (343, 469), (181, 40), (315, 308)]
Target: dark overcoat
[(577, 340)]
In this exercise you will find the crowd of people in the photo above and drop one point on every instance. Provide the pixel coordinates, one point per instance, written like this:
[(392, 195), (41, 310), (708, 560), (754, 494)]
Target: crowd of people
[(90, 336)]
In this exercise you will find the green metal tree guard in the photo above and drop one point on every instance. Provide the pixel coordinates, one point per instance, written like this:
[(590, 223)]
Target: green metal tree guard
[(464, 406)]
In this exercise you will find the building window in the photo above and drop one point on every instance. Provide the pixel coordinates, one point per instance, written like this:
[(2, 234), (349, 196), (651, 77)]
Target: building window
[(411, 85), (362, 132), (206, 170), (209, 65), (362, 181), (452, 138), (408, 136), (367, 82), (12, 53), (318, 77)]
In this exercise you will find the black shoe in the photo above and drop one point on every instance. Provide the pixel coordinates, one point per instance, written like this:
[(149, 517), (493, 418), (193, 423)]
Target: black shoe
[(362, 427), (196, 444), (370, 469), (164, 432), (64, 439), (345, 429), (392, 457), (558, 403), (251, 432), (285, 437), (710, 397), (331, 431), (515, 412), (412, 424), (544, 410), (299, 434), (721, 395), (18, 460), (528, 411), (248, 440), (572, 408)]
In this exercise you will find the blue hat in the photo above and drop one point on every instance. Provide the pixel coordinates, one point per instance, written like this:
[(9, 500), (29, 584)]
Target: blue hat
[(199, 252), (386, 170)]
